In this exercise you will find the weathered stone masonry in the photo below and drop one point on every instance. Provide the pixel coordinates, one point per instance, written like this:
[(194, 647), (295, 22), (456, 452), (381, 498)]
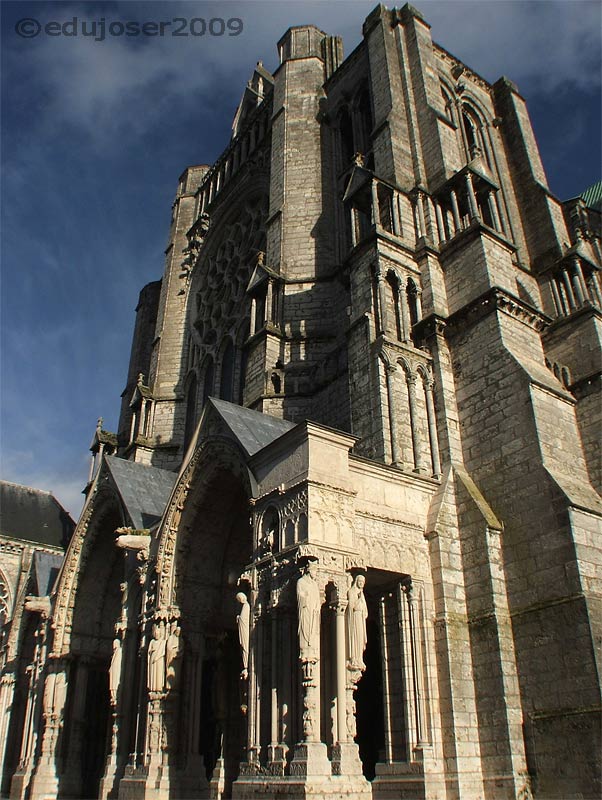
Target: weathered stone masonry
[(364, 397)]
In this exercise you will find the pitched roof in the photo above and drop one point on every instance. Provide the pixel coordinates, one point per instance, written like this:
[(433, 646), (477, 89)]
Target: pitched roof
[(144, 490), (33, 515), (252, 429), (45, 569), (593, 196)]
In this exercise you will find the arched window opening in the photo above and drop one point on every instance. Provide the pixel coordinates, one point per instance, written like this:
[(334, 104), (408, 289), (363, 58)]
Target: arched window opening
[(4, 602), (242, 363), (289, 533), (394, 328), (471, 135), (276, 383), (226, 389), (345, 138), (270, 530), (473, 131), (302, 528), (413, 302), (208, 374), (191, 397), (364, 108), (385, 210), (447, 102)]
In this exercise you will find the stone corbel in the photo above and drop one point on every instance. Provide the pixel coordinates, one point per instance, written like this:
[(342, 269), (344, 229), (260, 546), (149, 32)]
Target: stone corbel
[(38, 605), (133, 539)]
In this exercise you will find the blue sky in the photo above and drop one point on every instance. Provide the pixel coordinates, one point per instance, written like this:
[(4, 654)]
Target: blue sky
[(96, 133)]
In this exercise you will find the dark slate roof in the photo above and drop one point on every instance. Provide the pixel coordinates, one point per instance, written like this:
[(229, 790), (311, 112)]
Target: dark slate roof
[(46, 567), (252, 429), (593, 196), (33, 515), (144, 490)]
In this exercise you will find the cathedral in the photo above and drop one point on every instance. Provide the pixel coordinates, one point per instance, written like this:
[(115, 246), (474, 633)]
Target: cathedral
[(346, 541)]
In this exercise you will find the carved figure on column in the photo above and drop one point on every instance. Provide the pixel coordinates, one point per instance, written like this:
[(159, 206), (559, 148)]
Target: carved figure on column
[(356, 614), (156, 659), (115, 669), (174, 651), (308, 609), (243, 621)]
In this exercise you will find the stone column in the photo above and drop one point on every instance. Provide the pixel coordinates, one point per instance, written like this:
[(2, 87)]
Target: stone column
[(440, 223), (375, 209), (595, 287), (557, 297), (494, 212), (417, 672), (276, 756), (345, 753), (195, 768), (455, 211), (386, 682), (472, 198), (405, 313), (269, 302), (310, 760), (432, 425), (413, 398), (395, 213), (252, 322), (45, 780), (381, 302), (390, 370), (569, 290), (71, 780), (7, 692), (578, 282)]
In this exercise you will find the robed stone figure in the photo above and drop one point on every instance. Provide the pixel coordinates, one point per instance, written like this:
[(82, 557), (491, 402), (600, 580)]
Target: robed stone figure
[(356, 614), (115, 669), (308, 610), (243, 621), (156, 659)]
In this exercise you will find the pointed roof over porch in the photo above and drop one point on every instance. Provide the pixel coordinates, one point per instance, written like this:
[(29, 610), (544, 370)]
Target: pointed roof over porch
[(253, 430), (144, 490)]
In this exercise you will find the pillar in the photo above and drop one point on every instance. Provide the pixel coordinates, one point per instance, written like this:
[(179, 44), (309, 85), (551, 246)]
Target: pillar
[(472, 199), (455, 211), (440, 223), (569, 290), (269, 302), (381, 302), (375, 209), (390, 370), (557, 298), (413, 403), (578, 281), (395, 213), (45, 781), (432, 426)]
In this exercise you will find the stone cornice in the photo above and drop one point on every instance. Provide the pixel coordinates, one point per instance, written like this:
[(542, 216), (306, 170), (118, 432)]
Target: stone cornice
[(496, 299)]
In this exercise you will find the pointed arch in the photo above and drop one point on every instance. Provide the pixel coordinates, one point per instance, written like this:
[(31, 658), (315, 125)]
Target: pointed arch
[(207, 379), (227, 364), (191, 407)]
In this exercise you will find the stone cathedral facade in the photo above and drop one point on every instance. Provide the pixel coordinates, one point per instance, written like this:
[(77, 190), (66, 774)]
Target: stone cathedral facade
[(346, 540)]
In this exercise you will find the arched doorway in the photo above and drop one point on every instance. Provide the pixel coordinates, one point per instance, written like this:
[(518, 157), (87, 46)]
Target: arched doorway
[(214, 547), (97, 608)]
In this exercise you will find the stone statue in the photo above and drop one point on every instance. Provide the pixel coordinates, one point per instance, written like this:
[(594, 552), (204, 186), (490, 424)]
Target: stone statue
[(243, 620), (173, 655), (308, 609), (156, 659), (356, 615), (115, 669)]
